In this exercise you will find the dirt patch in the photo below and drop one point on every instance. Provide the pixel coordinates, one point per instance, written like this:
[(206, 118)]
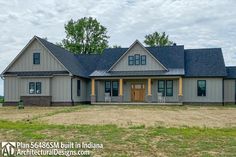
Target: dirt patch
[(149, 116), (15, 114)]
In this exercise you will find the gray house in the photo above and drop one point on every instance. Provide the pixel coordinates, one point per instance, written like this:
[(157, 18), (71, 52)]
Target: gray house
[(45, 74)]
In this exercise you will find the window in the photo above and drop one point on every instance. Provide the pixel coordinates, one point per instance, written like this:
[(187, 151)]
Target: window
[(131, 60), (169, 88), (32, 88), (78, 87), (161, 87), (112, 88), (36, 58), (108, 87), (137, 59), (143, 60), (115, 88), (35, 88), (38, 87), (201, 88)]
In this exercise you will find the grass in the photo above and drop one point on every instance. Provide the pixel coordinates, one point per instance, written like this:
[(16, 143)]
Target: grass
[(1, 99), (132, 141), (135, 140)]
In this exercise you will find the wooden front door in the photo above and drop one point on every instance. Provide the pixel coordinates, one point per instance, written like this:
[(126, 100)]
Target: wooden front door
[(137, 92)]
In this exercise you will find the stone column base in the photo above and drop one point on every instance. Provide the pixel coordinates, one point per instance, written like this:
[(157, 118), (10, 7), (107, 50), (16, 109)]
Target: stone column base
[(149, 98), (120, 99), (180, 99), (93, 99)]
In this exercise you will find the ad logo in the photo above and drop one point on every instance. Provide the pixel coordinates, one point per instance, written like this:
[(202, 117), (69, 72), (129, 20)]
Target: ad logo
[(8, 148)]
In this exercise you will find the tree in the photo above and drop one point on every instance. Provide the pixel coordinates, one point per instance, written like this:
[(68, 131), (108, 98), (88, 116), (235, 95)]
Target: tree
[(157, 39), (85, 36), (115, 46)]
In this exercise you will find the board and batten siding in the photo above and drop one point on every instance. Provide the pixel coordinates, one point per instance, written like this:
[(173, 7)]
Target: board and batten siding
[(11, 89), (83, 89), (151, 63), (229, 91), (24, 86), (168, 99), (213, 90), (61, 89), (25, 61)]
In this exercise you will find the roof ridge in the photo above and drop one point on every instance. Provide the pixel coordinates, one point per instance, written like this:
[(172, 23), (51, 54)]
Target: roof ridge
[(203, 48)]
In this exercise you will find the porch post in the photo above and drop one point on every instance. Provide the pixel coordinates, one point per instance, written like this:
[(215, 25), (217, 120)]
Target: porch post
[(93, 97), (149, 87), (120, 90), (149, 96), (180, 89)]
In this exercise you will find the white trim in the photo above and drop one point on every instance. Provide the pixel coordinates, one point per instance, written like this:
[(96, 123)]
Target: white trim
[(23, 50), (122, 56)]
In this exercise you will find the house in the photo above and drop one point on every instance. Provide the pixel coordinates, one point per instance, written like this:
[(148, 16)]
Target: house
[(46, 74)]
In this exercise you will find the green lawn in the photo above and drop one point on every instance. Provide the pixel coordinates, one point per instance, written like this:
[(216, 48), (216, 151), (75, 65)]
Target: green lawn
[(1, 100), (135, 140)]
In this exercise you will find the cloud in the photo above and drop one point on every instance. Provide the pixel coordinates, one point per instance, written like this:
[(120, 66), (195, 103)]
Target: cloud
[(193, 23)]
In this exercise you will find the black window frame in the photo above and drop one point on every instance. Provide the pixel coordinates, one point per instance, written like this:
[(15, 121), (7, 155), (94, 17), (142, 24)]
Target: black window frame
[(143, 60), (33, 85), (36, 58), (161, 90), (115, 91), (38, 86), (78, 87), (108, 89), (171, 88), (131, 60), (201, 92), (137, 59)]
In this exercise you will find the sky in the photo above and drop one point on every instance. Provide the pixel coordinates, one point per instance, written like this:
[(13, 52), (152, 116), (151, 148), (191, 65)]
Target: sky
[(192, 23)]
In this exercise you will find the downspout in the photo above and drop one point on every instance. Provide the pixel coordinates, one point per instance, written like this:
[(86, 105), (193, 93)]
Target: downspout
[(235, 93), (223, 92), (71, 82)]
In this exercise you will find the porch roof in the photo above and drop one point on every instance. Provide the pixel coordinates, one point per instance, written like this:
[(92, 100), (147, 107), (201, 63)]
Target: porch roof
[(170, 72)]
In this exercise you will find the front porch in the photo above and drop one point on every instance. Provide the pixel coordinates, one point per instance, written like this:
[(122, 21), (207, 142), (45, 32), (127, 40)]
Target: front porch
[(135, 90)]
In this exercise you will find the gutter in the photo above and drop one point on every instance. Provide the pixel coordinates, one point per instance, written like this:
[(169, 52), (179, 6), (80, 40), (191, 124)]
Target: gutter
[(71, 82)]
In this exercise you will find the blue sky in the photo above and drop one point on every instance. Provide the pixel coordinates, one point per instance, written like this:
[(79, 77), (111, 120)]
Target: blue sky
[(192, 23)]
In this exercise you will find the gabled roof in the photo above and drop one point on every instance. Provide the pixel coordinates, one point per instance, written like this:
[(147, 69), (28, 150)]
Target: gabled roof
[(231, 72), (189, 62), (136, 42), (204, 63), (68, 59)]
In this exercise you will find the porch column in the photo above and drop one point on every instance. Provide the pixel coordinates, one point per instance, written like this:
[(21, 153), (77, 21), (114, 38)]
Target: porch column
[(93, 97), (120, 90), (180, 89), (149, 96), (149, 87)]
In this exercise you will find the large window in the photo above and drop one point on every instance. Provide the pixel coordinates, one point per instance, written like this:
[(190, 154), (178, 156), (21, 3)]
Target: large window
[(78, 88), (32, 88), (169, 88), (161, 87), (35, 88), (38, 87), (201, 88), (115, 88), (131, 60), (36, 58), (112, 87), (165, 87), (108, 87)]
